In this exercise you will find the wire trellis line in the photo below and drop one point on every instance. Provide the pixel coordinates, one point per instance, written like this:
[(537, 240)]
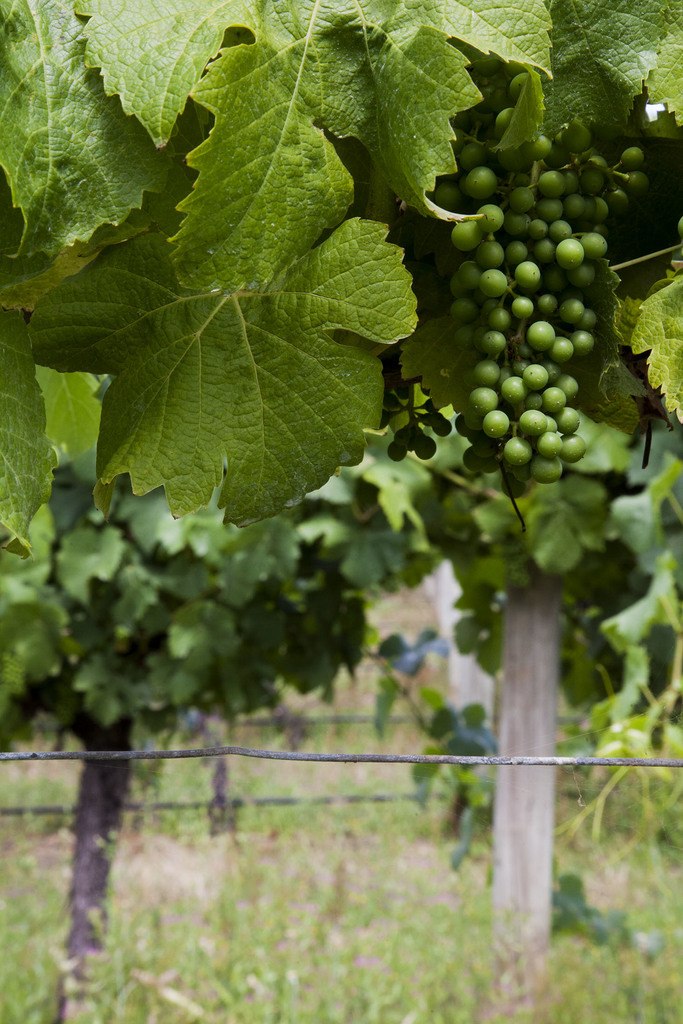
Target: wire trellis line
[(292, 755)]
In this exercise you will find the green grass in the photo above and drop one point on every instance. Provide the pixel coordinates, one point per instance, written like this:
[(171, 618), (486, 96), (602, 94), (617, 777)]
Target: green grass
[(330, 915)]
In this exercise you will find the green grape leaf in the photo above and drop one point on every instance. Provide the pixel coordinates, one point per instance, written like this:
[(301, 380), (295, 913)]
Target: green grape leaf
[(528, 114), (665, 84), (602, 53), (72, 409), (272, 181), (89, 554), (608, 450), (443, 365), (153, 55), (372, 555), (634, 623), (253, 377), (514, 31), (72, 159), (659, 328), (27, 458), (564, 520)]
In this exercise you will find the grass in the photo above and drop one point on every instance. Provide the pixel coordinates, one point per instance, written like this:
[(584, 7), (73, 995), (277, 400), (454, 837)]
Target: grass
[(329, 915)]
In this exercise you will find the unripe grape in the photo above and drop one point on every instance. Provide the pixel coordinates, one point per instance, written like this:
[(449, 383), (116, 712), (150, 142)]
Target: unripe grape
[(473, 155), (549, 209), (499, 319), (637, 184), (618, 202), (533, 401), (554, 371), (588, 320), (562, 350), (515, 253), (513, 390), (486, 372), (545, 471), (558, 155), (569, 253), (574, 207), (492, 343), (551, 184), (594, 245), (632, 158), (492, 217), (521, 199), (537, 229), (466, 235), (517, 451), (448, 196), (553, 399), (571, 182), (502, 121), (549, 444), (483, 401), (396, 451), (496, 423), (516, 224), (568, 384), (601, 211), (535, 377), (489, 254), (554, 278), (522, 307), (551, 425), (576, 137), (540, 147), (567, 420), (480, 183), (571, 310), (527, 275), (544, 250), (517, 84), (464, 310), (441, 426), (493, 283), (425, 446), (540, 335), (532, 423), (559, 230), (582, 276), (573, 448), (546, 304), (592, 180), (461, 427), (477, 464), (468, 274), (583, 342)]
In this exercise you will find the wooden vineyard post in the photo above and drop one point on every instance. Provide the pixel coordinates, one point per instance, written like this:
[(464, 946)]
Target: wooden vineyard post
[(523, 819)]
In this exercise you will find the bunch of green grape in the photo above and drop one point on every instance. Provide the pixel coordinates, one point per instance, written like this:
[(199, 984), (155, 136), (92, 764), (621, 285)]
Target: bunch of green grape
[(520, 294), (413, 410)]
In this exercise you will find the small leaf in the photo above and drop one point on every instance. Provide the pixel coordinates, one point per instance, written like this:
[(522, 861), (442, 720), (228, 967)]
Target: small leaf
[(660, 328), (72, 409)]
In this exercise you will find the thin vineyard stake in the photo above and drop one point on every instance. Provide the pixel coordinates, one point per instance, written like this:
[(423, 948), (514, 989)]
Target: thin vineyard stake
[(291, 755)]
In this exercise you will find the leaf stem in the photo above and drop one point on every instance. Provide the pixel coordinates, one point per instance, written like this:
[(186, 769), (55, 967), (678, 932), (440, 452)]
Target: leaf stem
[(644, 259)]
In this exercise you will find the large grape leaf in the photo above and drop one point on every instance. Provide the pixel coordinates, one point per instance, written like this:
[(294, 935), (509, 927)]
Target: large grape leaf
[(514, 31), (72, 159), (26, 458), (152, 55), (665, 84), (602, 53), (252, 376), (443, 365), (660, 328), (270, 181)]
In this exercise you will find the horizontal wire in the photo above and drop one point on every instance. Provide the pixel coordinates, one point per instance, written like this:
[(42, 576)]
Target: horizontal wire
[(291, 755)]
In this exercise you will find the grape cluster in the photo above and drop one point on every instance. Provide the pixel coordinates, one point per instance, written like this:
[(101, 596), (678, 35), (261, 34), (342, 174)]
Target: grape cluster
[(413, 411), (528, 261)]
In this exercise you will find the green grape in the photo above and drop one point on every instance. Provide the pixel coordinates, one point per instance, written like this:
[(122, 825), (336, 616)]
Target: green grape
[(569, 253), (448, 196), (571, 310), (466, 235), (492, 343), (396, 450), (537, 229), (592, 180), (472, 155), (594, 245), (496, 424), (567, 421), (499, 319), (489, 254), (502, 121), (521, 199), (425, 446), (632, 159), (535, 377), (553, 399), (557, 156), (513, 160), (540, 335), (554, 371), (519, 366), (551, 425), (517, 451), (562, 350), (493, 283), (527, 275), (492, 217), (554, 278), (487, 305), (483, 400), (583, 276), (637, 184), (486, 372), (549, 209), (532, 423), (546, 304), (514, 486), (478, 464), (461, 426), (601, 211), (522, 307), (483, 445), (549, 444), (571, 182), (480, 183), (545, 471), (568, 384), (517, 84), (574, 207), (440, 425), (516, 224), (551, 184), (544, 250), (588, 320), (573, 448), (576, 137), (515, 252), (457, 288), (513, 390), (464, 310), (583, 342), (468, 274), (533, 401), (618, 202), (559, 230), (540, 147)]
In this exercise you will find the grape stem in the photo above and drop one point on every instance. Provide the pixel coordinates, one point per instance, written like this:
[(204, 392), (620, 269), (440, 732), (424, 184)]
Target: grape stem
[(644, 259)]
